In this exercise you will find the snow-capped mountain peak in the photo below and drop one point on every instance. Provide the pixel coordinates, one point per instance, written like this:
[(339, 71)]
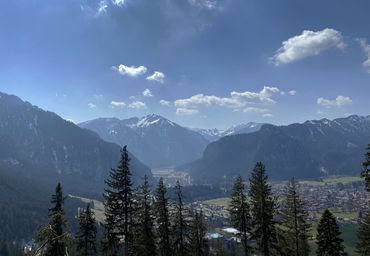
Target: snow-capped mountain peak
[(153, 119), (215, 134)]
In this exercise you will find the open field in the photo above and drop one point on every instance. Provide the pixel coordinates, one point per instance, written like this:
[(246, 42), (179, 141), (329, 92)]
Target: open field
[(332, 180), (98, 208), (223, 201)]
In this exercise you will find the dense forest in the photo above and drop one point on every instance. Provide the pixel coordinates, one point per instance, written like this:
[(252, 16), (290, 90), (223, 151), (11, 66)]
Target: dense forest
[(139, 221)]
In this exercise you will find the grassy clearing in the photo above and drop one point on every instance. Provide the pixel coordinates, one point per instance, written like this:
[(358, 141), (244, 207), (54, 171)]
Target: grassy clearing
[(332, 180), (98, 207), (223, 201)]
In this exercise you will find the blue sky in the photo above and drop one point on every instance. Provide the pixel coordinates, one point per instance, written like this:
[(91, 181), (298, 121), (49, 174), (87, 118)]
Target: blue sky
[(201, 63)]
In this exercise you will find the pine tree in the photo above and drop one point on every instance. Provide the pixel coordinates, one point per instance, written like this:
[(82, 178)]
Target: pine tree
[(119, 206), (180, 227), (54, 238), (240, 213), (363, 234), (197, 238), (328, 238), (108, 243), (86, 236), (144, 242), (366, 169), (162, 219), (295, 222), (263, 207)]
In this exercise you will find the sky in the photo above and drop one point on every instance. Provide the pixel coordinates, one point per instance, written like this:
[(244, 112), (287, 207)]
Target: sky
[(200, 63)]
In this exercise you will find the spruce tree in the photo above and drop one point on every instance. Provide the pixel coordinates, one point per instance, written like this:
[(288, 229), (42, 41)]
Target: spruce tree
[(295, 222), (328, 238), (86, 235), (180, 227), (108, 243), (263, 207), (144, 241), (162, 220), (53, 238), (197, 239), (119, 206), (363, 234), (240, 213), (366, 169)]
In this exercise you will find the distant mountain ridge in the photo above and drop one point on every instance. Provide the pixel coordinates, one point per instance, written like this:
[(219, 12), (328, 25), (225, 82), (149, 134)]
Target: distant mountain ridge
[(307, 150), (154, 139), (215, 134), (41, 140)]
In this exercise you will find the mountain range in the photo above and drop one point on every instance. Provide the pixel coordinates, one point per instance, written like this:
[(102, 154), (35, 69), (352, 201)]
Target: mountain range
[(155, 140), (56, 149), (215, 134), (159, 142), (307, 150)]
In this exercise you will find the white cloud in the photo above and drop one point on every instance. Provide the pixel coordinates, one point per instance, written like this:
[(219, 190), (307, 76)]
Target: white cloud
[(137, 105), (204, 4), (236, 99), (91, 105), (307, 44), (147, 93), (157, 77), (256, 110), (267, 115), (292, 92), (70, 120), (119, 2), (337, 102), (186, 111), (102, 8), (165, 103), (117, 104), (366, 48), (132, 71)]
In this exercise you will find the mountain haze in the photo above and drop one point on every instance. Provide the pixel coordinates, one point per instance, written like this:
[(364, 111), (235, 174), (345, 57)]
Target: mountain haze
[(153, 139)]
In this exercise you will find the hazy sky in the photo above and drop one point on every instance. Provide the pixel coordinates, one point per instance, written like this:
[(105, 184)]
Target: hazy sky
[(201, 63)]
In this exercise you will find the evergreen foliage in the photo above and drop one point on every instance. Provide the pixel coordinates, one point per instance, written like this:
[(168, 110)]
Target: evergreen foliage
[(294, 222), (144, 244), (162, 220), (240, 213), (363, 234), (53, 238), (328, 238), (197, 238), (86, 236), (366, 169), (119, 206), (180, 227), (263, 207), (363, 245)]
